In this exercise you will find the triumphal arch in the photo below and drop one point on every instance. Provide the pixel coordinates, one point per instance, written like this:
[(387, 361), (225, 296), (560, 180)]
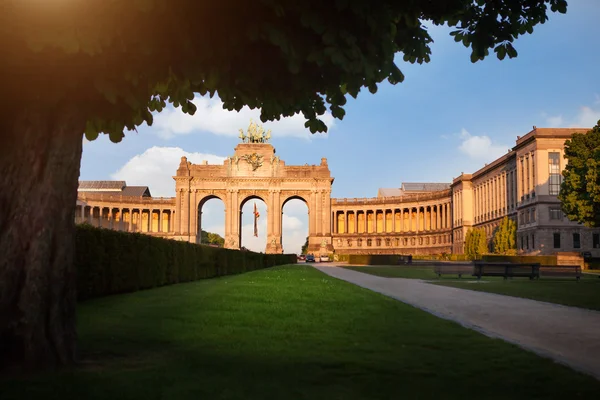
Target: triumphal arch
[(254, 172)]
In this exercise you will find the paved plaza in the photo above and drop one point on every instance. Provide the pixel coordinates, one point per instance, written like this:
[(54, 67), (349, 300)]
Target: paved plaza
[(568, 335)]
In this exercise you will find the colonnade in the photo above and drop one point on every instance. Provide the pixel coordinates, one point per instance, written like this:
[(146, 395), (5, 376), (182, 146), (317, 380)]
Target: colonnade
[(395, 220), (127, 219)]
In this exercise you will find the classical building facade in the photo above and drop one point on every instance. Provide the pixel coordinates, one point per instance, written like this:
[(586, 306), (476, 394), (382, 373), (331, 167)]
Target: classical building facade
[(417, 218), (523, 185)]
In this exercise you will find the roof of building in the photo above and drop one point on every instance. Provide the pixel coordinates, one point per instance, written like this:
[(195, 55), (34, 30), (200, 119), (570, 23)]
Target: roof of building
[(389, 192), (85, 186), (118, 188), (549, 133), (424, 187), (412, 187)]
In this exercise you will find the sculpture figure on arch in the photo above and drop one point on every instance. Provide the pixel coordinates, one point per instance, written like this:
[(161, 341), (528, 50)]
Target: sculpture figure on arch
[(255, 134)]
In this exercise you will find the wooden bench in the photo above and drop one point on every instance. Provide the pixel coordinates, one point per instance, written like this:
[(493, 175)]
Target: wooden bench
[(404, 260), (453, 269), (507, 270), (561, 271)]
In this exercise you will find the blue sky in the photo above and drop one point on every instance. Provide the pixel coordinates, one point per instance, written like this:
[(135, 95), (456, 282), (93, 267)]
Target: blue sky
[(447, 116)]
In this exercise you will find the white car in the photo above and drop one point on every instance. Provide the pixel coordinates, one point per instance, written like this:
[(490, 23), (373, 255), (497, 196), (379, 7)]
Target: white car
[(324, 258)]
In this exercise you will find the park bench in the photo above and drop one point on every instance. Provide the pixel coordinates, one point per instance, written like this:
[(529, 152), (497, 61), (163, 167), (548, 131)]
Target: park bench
[(453, 269), (507, 270), (561, 271), (404, 260)]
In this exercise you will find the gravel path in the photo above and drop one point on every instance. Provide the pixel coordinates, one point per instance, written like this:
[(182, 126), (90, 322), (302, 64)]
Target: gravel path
[(568, 335)]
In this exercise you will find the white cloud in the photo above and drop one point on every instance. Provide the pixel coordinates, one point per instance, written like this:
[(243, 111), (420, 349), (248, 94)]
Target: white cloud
[(555, 121), (480, 147), (156, 166), (211, 117), (587, 117)]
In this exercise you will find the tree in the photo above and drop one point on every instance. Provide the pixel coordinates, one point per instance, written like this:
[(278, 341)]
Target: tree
[(304, 247), (505, 238), (580, 190), (104, 66), (211, 238), (475, 243)]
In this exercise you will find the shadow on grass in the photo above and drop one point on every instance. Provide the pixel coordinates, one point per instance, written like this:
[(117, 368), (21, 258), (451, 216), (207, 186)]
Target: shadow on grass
[(288, 333)]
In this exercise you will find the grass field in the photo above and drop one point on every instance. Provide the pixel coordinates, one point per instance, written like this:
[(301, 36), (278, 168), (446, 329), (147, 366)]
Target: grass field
[(288, 333), (585, 293), (566, 291)]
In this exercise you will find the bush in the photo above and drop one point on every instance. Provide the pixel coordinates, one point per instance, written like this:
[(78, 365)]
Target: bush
[(110, 262)]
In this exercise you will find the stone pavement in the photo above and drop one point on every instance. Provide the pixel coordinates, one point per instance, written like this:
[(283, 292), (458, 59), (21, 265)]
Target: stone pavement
[(568, 335)]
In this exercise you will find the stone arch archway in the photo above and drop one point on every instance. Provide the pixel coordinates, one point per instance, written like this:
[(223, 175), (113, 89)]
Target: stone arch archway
[(255, 171), (286, 199), (200, 202), (240, 207)]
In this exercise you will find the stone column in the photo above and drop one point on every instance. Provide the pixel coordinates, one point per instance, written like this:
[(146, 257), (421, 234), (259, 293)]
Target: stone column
[(194, 233), (110, 218), (120, 228), (418, 218), (335, 223), (178, 200), (185, 213), (355, 222)]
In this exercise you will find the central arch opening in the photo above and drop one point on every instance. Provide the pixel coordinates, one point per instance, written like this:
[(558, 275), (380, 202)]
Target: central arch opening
[(294, 226), (253, 236), (211, 222)]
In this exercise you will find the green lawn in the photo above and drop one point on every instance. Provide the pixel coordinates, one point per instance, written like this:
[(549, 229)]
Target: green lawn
[(288, 333), (567, 291), (585, 293)]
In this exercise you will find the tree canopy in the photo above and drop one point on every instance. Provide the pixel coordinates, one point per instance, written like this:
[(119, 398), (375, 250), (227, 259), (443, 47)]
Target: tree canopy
[(580, 190), (505, 237), (475, 243), (119, 61)]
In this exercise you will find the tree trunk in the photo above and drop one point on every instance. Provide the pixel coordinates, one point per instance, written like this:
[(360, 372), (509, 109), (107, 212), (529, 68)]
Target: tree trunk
[(40, 154)]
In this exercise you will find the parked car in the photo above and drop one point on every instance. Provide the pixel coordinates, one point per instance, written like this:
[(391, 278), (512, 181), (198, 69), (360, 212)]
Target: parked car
[(310, 258), (324, 258), (301, 257)]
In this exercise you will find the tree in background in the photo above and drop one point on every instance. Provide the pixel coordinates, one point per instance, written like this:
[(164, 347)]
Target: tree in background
[(304, 247), (104, 66), (211, 238), (475, 243), (505, 238), (580, 190)]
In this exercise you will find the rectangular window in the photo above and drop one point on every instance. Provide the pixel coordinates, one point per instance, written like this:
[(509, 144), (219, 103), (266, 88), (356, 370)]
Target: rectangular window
[(576, 241), (557, 240), (554, 173), (522, 242), (555, 212), (532, 241), (596, 240), (527, 242), (533, 215)]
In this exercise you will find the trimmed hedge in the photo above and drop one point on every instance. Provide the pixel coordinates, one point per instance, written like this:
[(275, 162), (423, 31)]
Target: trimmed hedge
[(374, 259), (543, 260), (441, 257), (110, 262)]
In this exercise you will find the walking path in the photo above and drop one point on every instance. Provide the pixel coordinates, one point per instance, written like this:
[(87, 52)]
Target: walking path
[(568, 335)]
